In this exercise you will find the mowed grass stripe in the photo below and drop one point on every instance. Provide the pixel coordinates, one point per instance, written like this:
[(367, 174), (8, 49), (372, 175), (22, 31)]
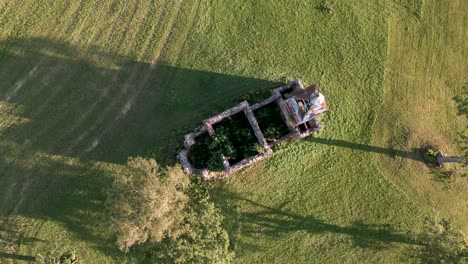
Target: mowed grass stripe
[(19, 19), (138, 16), (36, 133), (65, 114), (147, 27), (119, 30), (104, 91), (111, 39), (140, 86), (183, 28), (34, 86), (109, 27), (110, 114)]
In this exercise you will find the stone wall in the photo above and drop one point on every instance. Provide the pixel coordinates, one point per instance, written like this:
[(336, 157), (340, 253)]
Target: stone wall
[(244, 106)]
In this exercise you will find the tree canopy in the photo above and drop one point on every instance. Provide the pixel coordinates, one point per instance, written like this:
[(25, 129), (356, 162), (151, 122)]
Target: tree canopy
[(146, 203), (168, 212)]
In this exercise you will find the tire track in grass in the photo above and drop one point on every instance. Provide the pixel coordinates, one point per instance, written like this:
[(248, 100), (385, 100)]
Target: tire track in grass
[(105, 90), (134, 95), (43, 80), (57, 91), (31, 74), (51, 97), (125, 89), (17, 117), (26, 180), (20, 83), (49, 75), (83, 117)]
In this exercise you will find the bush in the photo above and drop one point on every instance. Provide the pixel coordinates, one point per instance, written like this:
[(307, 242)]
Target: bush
[(219, 144), (325, 6), (233, 138), (240, 138), (199, 153), (270, 122), (430, 156)]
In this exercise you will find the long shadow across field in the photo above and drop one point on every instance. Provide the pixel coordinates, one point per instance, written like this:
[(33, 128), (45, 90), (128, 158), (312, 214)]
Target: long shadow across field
[(10, 236), (57, 189), (274, 222), (414, 155), (64, 108), (16, 257), (97, 105)]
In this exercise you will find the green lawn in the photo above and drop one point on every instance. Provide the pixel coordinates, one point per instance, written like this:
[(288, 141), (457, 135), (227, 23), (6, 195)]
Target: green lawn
[(85, 84)]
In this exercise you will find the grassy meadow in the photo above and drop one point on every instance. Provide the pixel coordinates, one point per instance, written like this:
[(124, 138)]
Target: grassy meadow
[(85, 84)]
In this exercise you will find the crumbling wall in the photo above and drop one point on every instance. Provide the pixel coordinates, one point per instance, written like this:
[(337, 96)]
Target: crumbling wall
[(244, 106)]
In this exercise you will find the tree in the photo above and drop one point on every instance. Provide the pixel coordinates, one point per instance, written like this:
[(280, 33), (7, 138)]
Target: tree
[(205, 241), (146, 203)]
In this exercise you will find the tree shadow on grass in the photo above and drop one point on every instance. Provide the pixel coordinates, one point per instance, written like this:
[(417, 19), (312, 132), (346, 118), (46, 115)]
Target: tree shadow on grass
[(461, 101), (414, 155), (16, 257), (96, 105), (59, 191), (10, 237), (261, 220)]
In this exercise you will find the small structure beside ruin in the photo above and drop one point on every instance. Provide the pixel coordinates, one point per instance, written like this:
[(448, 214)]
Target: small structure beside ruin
[(296, 109)]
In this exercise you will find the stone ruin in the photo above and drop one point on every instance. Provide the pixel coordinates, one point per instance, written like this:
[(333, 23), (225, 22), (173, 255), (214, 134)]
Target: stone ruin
[(282, 97)]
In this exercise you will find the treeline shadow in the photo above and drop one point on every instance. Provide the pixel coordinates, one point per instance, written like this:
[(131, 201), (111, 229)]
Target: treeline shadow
[(8, 237), (391, 152), (60, 191), (94, 104), (274, 222)]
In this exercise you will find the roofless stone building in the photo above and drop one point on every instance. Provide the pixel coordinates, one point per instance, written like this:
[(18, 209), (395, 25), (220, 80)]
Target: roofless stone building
[(299, 109)]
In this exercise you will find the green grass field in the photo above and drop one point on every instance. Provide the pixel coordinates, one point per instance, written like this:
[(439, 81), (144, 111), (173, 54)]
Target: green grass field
[(85, 84)]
